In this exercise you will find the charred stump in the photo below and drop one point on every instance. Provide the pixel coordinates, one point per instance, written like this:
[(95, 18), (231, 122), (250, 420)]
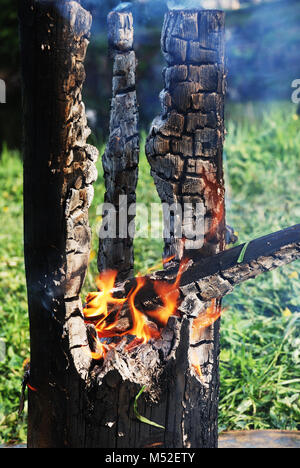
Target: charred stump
[(185, 145), (120, 161)]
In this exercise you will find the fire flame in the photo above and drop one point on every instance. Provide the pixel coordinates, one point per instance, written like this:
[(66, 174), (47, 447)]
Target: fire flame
[(103, 309)]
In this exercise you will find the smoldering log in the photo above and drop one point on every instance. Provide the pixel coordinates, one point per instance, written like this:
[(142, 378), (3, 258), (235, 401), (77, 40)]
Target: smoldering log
[(59, 169), (185, 152), (120, 160), (216, 276), (162, 363)]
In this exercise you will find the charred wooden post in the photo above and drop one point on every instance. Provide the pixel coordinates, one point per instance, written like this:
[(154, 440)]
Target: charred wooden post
[(59, 169), (185, 149), (185, 144), (120, 161)]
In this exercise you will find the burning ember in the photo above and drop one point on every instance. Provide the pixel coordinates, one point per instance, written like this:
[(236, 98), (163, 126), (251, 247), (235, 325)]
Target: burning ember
[(211, 315), (204, 320)]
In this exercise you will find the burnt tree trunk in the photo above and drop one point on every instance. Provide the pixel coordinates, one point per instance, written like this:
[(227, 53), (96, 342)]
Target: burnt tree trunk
[(120, 161), (180, 370), (59, 171), (185, 149), (79, 402)]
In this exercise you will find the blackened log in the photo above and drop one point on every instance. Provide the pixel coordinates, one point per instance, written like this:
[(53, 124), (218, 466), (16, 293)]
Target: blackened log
[(59, 169), (185, 144), (120, 161), (219, 274)]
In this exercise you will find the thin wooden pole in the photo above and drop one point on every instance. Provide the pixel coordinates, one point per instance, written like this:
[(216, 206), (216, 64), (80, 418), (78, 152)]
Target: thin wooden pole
[(121, 158)]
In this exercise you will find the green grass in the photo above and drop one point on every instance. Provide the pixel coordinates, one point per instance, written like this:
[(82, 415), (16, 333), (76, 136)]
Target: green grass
[(260, 372), (260, 377), (13, 307)]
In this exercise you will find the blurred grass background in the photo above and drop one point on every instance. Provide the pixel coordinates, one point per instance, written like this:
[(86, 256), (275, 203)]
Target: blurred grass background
[(260, 378)]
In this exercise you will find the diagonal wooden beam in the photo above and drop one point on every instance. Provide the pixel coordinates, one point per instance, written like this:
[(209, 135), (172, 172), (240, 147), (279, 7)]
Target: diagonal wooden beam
[(217, 275)]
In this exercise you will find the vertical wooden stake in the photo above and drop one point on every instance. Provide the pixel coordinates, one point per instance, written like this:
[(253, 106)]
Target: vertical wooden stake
[(120, 161)]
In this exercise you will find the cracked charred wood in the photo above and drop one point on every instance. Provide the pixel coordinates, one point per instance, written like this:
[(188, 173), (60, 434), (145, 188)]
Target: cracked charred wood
[(185, 153), (185, 144), (120, 160), (59, 169), (218, 275), (214, 277), (164, 364), (76, 401), (185, 149)]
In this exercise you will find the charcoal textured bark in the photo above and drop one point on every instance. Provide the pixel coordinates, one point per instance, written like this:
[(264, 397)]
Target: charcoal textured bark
[(120, 160), (76, 401)]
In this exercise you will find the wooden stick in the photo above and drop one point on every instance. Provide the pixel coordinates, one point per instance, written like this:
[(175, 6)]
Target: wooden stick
[(219, 274), (120, 160)]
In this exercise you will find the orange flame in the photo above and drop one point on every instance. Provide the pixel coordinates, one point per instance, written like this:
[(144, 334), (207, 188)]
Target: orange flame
[(33, 389), (97, 302), (105, 309)]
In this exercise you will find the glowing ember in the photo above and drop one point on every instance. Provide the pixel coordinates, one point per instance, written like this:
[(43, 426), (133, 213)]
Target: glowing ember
[(218, 216), (33, 389), (198, 370), (206, 319), (209, 317)]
